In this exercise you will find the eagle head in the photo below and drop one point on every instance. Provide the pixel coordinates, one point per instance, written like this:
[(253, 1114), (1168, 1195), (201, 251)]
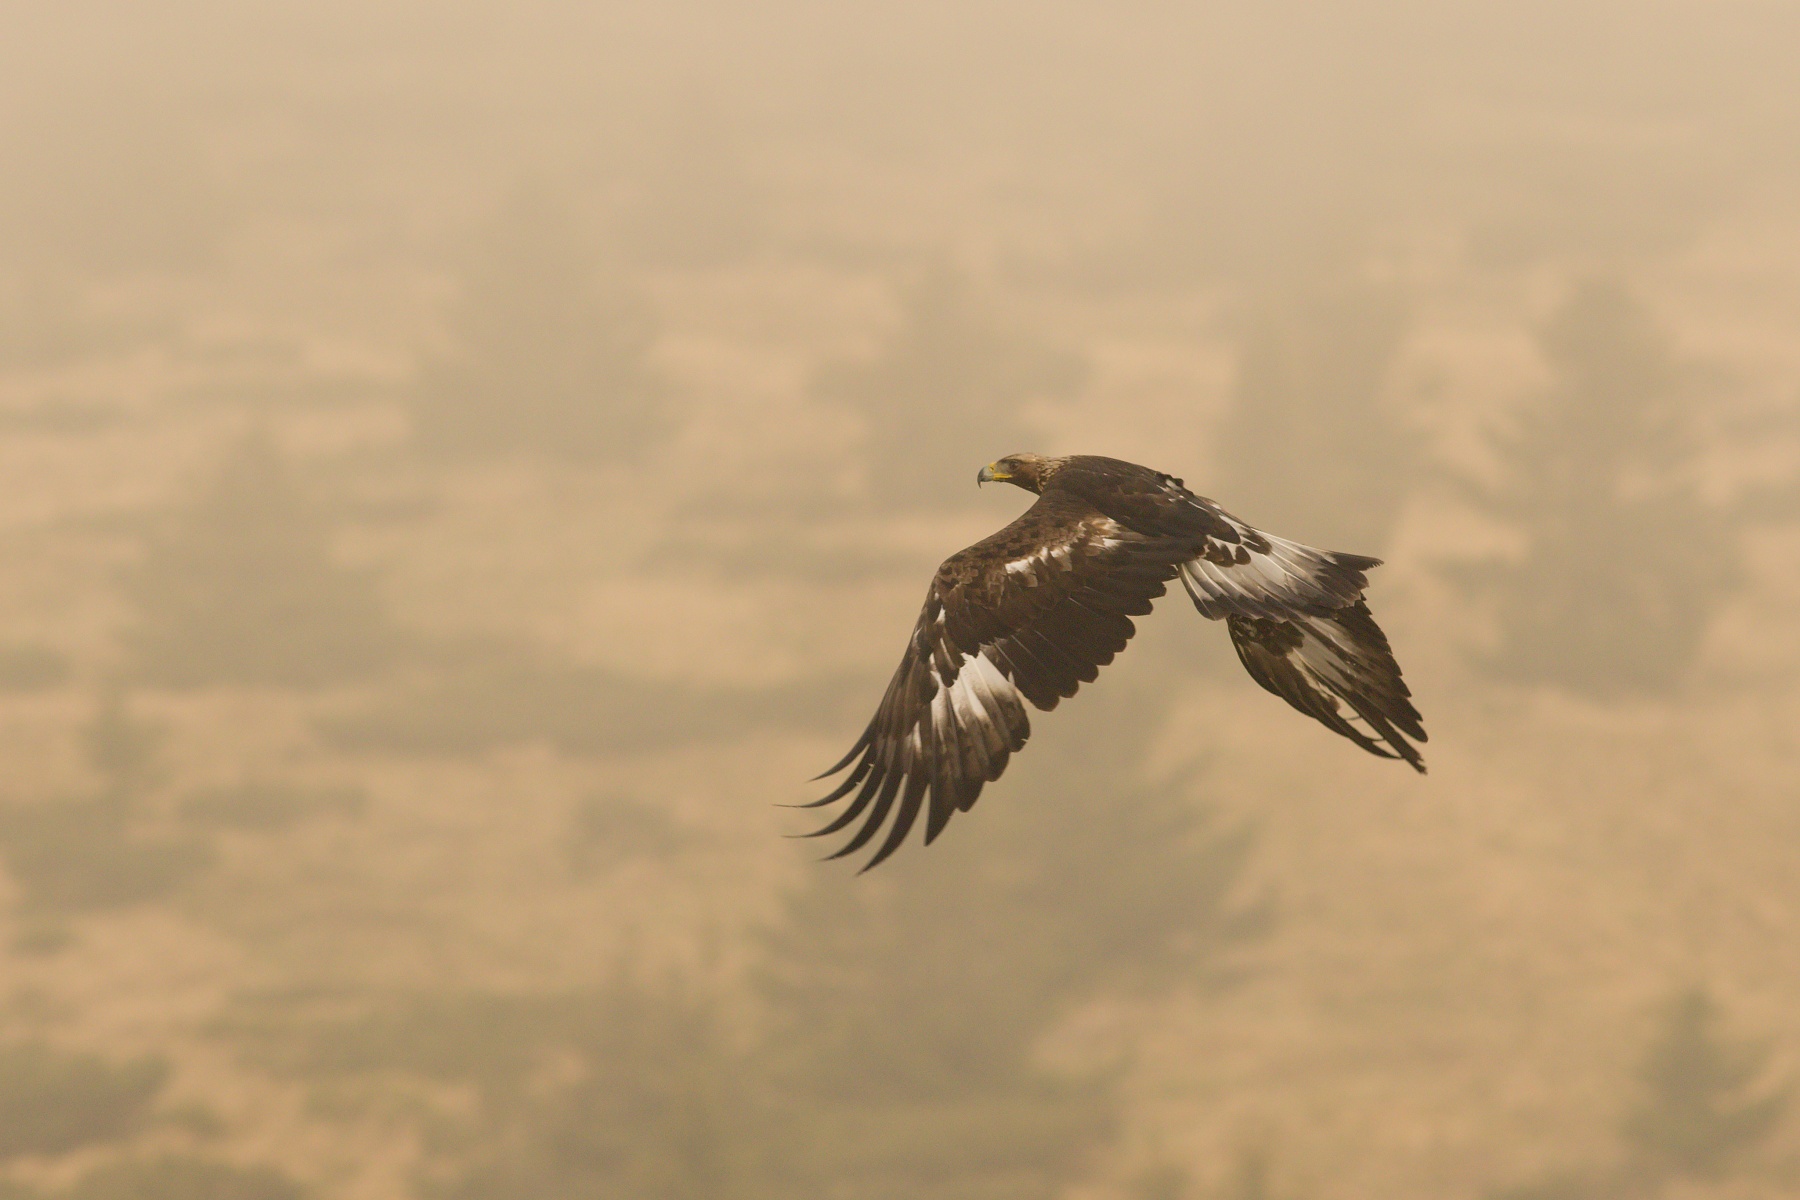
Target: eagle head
[(1029, 471)]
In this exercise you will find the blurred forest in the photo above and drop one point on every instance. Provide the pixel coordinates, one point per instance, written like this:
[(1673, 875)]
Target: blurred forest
[(462, 468)]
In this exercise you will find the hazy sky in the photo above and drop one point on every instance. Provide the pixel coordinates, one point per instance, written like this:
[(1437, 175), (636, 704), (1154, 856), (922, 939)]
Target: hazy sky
[(462, 465)]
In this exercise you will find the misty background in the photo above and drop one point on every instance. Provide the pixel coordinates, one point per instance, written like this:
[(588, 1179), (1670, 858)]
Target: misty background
[(462, 465)]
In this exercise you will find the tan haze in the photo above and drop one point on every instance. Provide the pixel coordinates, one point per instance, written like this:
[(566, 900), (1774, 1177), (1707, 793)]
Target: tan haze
[(463, 465)]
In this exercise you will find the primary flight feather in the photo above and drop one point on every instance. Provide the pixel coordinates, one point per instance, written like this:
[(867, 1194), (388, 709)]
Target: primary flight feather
[(1033, 612)]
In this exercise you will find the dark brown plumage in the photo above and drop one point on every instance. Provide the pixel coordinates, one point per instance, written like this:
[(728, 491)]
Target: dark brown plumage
[(1033, 612)]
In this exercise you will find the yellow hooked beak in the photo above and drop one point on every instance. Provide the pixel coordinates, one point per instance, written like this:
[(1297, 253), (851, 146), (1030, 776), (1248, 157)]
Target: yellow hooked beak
[(992, 474)]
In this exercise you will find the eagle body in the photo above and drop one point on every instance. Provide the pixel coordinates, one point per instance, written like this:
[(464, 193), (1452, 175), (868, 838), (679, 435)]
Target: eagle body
[(1029, 614)]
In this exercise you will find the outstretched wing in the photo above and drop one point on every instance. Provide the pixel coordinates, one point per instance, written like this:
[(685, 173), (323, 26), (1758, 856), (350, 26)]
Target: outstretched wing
[(1029, 614), (1296, 613), (1235, 567), (1313, 662)]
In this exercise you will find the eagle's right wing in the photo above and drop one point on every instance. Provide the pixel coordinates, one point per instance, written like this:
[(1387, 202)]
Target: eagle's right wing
[(1028, 614)]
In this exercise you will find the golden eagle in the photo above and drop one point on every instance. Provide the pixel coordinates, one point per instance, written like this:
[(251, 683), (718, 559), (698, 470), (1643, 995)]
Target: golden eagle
[(1033, 612)]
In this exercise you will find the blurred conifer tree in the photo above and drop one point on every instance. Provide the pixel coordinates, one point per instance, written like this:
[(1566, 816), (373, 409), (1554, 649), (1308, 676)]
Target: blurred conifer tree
[(636, 1091), (549, 349), (1312, 447), (28, 667), (911, 1005), (181, 1178), (1702, 1108), (1166, 1181), (71, 855), (664, 1108), (946, 393), (1626, 562), (902, 1016), (1252, 1176), (122, 749), (242, 588), (54, 1102)]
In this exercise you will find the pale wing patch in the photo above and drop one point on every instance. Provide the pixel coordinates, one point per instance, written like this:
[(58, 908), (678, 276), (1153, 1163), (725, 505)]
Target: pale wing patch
[(979, 702), (1267, 576), (982, 690)]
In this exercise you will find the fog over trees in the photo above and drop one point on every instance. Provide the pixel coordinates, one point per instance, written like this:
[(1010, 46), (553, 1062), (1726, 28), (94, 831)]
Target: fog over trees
[(463, 469)]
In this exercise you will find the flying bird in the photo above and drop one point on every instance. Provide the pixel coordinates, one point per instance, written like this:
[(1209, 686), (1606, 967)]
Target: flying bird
[(1031, 613)]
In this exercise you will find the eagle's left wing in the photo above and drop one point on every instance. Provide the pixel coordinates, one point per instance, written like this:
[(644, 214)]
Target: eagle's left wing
[(1315, 661), (1028, 614), (1296, 615), (1301, 628), (1235, 567)]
